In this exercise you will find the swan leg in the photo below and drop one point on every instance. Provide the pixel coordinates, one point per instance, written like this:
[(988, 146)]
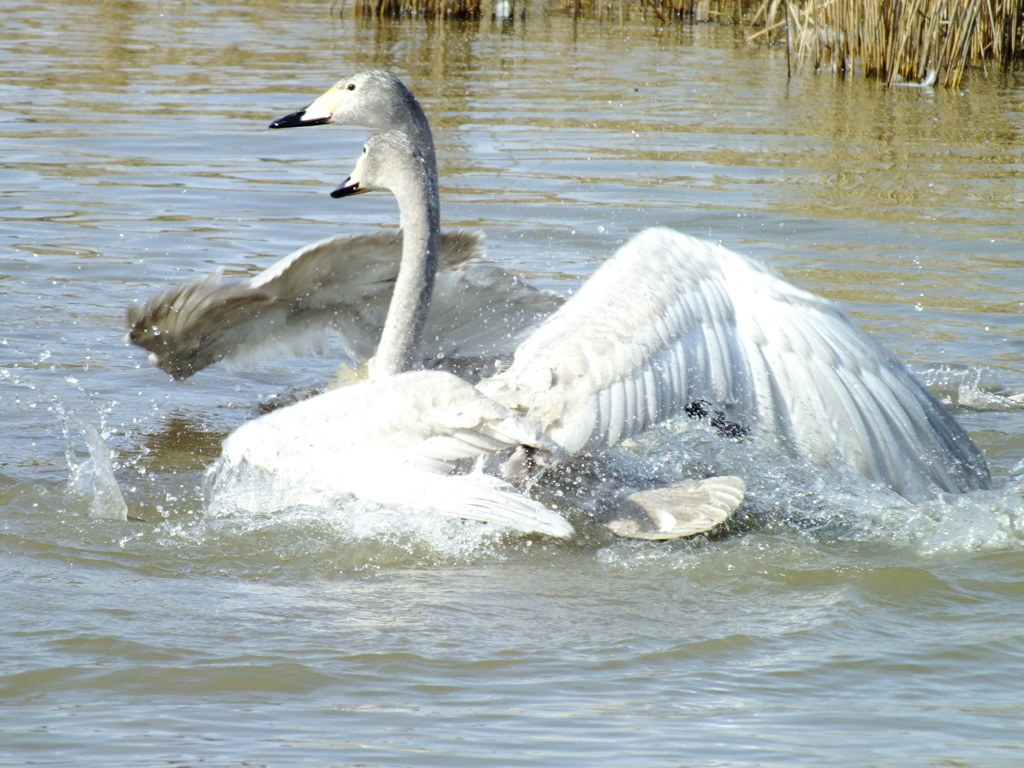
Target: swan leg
[(679, 510)]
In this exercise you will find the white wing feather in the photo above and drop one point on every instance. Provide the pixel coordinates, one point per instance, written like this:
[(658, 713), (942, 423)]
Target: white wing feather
[(672, 320)]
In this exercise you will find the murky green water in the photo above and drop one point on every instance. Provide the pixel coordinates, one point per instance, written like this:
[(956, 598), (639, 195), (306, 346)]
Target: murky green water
[(834, 626)]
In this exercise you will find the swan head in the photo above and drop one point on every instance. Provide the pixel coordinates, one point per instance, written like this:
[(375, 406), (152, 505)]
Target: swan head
[(389, 161), (374, 98)]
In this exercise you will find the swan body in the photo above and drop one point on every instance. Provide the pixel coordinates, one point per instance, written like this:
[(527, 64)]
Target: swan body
[(411, 439), (400, 436), (667, 321)]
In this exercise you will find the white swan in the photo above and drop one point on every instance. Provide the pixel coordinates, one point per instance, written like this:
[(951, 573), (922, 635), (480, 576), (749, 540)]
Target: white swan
[(340, 287), (668, 321)]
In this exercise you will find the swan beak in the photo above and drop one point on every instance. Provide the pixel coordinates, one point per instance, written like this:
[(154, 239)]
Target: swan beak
[(304, 116), (348, 188), (320, 111)]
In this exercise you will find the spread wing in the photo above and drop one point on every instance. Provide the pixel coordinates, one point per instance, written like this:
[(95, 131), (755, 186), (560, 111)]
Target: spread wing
[(341, 287), (672, 321)]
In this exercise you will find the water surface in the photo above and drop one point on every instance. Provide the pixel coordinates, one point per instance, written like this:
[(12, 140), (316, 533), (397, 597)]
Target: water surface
[(830, 625)]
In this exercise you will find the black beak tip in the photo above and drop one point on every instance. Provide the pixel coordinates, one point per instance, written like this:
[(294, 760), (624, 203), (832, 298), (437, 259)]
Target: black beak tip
[(346, 189), (297, 120), (288, 121)]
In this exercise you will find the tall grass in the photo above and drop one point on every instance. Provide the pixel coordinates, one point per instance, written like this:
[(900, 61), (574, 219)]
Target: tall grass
[(893, 40), (896, 40)]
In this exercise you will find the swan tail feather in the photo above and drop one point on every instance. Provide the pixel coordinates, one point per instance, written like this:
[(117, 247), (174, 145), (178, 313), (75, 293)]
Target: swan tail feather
[(487, 499)]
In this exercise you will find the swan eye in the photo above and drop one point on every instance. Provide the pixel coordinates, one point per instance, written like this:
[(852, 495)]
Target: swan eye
[(351, 86)]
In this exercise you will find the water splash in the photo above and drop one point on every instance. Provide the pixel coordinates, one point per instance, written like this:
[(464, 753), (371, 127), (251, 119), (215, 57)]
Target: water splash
[(784, 495), (352, 533), (92, 478), (975, 388), (90, 472)]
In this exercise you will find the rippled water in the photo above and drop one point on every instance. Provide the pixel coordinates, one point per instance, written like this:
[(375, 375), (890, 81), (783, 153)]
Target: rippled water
[(829, 625)]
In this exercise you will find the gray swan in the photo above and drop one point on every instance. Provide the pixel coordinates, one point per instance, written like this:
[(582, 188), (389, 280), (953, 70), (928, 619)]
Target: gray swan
[(340, 287)]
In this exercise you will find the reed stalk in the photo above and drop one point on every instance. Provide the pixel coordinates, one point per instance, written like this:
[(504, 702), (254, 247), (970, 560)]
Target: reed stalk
[(912, 41), (919, 41)]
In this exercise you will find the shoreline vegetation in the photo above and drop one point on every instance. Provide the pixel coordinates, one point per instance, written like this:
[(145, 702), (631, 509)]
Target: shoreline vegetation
[(900, 42)]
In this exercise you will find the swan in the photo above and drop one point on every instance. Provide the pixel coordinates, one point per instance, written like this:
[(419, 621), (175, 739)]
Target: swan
[(339, 287), (668, 321)]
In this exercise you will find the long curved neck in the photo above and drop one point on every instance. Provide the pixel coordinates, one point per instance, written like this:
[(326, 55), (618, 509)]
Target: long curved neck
[(397, 109), (415, 124), (419, 211)]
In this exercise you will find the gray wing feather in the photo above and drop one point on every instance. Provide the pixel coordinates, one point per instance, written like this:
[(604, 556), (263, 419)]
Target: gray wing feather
[(337, 287)]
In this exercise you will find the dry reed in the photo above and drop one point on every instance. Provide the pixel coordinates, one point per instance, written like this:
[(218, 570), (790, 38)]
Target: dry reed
[(894, 40), (920, 41)]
